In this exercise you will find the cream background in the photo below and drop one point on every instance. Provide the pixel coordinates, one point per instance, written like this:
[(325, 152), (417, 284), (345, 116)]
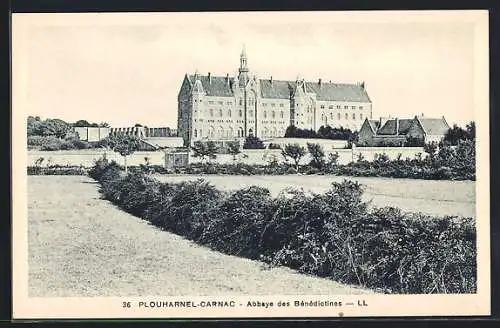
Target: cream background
[(100, 67), (105, 67)]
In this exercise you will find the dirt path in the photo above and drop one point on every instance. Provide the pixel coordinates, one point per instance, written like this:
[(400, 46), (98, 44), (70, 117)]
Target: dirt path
[(80, 245)]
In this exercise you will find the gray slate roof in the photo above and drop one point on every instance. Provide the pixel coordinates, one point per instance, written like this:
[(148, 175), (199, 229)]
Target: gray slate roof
[(434, 126), (389, 128), (279, 89), (375, 124)]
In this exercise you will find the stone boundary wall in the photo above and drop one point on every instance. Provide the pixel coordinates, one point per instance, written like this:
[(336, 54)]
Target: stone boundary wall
[(86, 157)]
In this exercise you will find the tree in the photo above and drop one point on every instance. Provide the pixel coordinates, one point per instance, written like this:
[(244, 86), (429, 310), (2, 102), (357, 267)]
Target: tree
[(104, 125), (317, 155), (81, 123), (34, 125), (471, 130), (295, 152), (456, 133), (125, 145), (204, 149), (233, 148), (253, 142), (55, 127)]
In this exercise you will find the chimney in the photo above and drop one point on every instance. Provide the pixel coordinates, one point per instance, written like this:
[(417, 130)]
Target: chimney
[(271, 80), (227, 78), (363, 85), (397, 126), (209, 78), (319, 82)]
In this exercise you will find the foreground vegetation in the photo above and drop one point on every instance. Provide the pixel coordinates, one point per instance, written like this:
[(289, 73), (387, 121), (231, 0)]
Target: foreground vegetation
[(331, 235)]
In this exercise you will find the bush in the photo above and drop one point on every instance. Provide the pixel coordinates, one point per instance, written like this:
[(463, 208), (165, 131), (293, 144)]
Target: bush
[(331, 235), (56, 170)]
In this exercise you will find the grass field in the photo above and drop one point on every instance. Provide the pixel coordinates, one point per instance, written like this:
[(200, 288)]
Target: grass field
[(80, 245), (426, 196)]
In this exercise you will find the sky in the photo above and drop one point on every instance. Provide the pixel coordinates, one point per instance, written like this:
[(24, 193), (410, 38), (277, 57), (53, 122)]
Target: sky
[(128, 68)]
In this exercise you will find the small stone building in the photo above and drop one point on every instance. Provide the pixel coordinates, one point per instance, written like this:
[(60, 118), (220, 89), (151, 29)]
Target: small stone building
[(396, 131)]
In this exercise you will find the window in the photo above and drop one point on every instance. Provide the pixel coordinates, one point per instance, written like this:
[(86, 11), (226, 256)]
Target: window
[(273, 114), (201, 135), (195, 133), (241, 102), (273, 104), (220, 112), (322, 106), (338, 106), (210, 102), (281, 114), (360, 116), (229, 113), (331, 116), (229, 102), (353, 116), (240, 112), (211, 112), (264, 104), (330, 107), (346, 107), (338, 116), (353, 107), (220, 102), (265, 114), (360, 107), (281, 105), (346, 116)]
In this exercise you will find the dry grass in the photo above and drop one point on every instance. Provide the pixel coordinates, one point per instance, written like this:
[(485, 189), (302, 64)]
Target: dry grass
[(80, 245), (431, 197)]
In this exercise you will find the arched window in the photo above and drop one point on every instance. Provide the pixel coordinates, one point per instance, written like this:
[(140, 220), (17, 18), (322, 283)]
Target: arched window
[(220, 132), (195, 133), (274, 133), (220, 112), (229, 113), (201, 134), (353, 116), (265, 133), (240, 112), (273, 114), (281, 114), (338, 116), (230, 132), (250, 113), (240, 132), (241, 102), (250, 132), (211, 132)]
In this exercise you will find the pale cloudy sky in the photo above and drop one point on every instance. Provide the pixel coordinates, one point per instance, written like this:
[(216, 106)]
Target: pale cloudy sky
[(128, 68)]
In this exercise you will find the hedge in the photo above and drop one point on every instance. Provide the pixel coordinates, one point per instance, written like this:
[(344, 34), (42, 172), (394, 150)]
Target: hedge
[(333, 235), (56, 170)]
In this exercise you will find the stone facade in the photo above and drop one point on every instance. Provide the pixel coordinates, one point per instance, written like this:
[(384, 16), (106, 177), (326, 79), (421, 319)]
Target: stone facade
[(228, 108), (396, 131)]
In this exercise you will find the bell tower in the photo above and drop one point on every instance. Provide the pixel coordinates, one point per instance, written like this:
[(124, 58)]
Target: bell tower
[(243, 76)]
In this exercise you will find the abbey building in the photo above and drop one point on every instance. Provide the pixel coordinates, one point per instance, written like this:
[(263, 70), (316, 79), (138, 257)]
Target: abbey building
[(227, 108)]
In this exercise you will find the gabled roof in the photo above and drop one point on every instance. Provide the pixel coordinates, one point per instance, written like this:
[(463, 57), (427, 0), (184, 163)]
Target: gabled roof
[(389, 128), (279, 89), (434, 126), (338, 91), (217, 86), (374, 124), (276, 89)]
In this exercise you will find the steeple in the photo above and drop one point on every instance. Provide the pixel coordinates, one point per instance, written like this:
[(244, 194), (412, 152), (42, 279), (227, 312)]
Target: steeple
[(243, 61)]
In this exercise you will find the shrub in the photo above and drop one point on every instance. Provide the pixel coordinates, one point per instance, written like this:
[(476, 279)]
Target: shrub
[(331, 235)]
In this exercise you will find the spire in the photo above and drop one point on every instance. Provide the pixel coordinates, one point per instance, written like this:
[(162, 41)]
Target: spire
[(243, 60)]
